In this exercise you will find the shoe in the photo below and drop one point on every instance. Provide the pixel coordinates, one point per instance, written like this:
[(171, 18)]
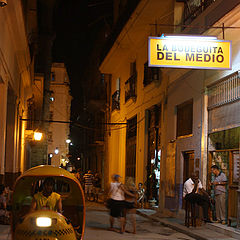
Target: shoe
[(207, 221), (216, 221), (223, 222)]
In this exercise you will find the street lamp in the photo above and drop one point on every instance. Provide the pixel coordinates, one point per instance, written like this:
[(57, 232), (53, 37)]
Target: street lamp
[(56, 151), (68, 141), (37, 136)]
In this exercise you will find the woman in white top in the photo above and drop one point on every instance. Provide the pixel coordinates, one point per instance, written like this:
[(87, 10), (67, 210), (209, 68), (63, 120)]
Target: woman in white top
[(116, 194)]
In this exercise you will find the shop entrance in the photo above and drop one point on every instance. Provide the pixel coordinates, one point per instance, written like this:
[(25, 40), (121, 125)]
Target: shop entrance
[(154, 154), (229, 162)]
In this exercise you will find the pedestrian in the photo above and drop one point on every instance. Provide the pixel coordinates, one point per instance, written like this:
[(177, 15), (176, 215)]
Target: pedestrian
[(219, 184), (130, 191), (8, 194), (116, 195), (78, 174), (88, 183), (96, 186), (193, 192), (141, 195), (4, 213)]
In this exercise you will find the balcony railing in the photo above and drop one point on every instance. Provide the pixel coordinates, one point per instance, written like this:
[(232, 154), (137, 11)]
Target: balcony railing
[(194, 8), (130, 88), (225, 91), (116, 100)]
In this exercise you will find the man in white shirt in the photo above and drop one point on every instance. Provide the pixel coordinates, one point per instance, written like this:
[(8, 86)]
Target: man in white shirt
[(193, 192)]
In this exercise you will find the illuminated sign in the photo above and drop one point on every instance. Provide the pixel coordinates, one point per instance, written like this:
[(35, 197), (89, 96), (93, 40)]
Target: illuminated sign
[(202, 52)]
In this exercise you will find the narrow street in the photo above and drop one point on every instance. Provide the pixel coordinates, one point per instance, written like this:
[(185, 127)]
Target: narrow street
[(97, 224)]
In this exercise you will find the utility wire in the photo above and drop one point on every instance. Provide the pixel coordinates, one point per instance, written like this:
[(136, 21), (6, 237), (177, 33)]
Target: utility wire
[(76, 124)]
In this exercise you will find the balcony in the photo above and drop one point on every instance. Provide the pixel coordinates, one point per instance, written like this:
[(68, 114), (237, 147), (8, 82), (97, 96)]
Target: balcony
[(116, 100), (130, 88), (194, 8)]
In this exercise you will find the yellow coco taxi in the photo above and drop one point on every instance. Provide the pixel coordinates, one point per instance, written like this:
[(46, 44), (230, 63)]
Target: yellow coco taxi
[(45, 224)]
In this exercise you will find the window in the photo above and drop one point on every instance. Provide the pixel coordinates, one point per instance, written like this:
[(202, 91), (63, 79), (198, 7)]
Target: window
[(53, 76), (50, 137), (30, 122), (116, 96), (151, 74), (131, 147), (131, 84), (50, 115), (116, 100), (185, 118)]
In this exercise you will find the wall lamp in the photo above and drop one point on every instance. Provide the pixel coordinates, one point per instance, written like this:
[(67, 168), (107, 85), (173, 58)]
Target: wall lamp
[(37, 136)]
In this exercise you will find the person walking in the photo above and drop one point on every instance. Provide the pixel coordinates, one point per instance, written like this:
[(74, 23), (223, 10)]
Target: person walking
[(96, 186), (141, 195), (130, 191), (219, 184), (88, 185), (116, 195)]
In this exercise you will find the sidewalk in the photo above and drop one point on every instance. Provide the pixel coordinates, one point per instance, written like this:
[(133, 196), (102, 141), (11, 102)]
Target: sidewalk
[(5, 232), (209, 231)]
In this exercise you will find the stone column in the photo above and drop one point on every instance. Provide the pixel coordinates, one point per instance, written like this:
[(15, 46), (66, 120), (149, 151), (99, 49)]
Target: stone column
[(204, 138), (238, 196), (3, 116), (11, 139)]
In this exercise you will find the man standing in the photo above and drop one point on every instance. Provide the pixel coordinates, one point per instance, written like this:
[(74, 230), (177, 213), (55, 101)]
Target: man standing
[(219, 184), (191, 192), (88, 182)]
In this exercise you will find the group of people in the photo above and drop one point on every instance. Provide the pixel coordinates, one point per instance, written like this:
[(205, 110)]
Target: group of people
[(91, 183), (194, 192), (123, 198)]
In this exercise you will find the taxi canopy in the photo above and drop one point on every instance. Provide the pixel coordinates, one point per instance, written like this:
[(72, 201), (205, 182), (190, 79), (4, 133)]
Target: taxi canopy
[(66, 184)]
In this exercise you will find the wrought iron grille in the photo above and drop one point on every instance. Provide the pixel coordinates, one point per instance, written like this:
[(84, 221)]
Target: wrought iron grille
[(194, 8), (130, 88), (225, 91), (116, 100)]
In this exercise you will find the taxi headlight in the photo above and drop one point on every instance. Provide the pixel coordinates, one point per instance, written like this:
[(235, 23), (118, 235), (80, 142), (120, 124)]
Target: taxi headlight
[(43, 222)]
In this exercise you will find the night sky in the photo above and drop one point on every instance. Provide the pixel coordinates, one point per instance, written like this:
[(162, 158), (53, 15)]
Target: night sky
[(77, 25)]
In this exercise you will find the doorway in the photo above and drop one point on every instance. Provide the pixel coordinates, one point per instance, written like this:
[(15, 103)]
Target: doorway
[(228, 161), (188, 165)]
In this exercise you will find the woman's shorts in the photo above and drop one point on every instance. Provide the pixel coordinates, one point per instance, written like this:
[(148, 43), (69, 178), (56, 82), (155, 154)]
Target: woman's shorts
[(117, 208)]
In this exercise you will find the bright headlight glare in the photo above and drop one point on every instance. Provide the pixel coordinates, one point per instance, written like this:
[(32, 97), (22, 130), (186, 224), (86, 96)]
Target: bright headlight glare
[(43, 222)]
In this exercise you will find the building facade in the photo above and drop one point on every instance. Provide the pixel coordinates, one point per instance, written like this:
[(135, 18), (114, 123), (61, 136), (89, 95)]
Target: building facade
[(176, 120), (59, 116), (17, 46)]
